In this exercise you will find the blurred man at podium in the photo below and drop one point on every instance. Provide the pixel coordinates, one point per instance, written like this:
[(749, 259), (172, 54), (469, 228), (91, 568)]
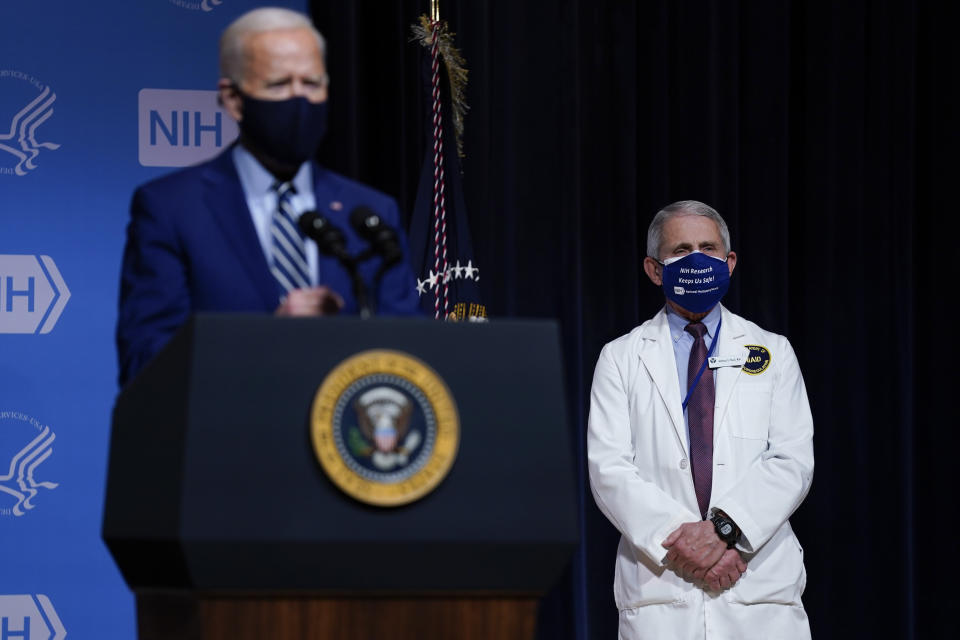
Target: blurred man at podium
[(700, 447), (223, 235)]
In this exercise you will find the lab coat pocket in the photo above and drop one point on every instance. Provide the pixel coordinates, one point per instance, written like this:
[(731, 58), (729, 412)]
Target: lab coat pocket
[(774, 575), (639, 582), (754, 402)]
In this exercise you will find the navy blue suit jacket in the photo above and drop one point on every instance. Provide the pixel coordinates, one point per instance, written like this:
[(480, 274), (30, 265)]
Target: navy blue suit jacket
[(192, 246)]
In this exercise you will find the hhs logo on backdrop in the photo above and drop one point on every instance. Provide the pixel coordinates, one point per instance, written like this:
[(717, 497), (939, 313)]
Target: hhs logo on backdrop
[(26, 444), (194, 5), (26, 105), (29, 617), (179, 128), (32, 294)]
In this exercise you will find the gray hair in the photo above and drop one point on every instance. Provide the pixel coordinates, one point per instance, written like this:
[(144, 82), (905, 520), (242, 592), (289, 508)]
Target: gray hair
[(234, 37), (683, 207)]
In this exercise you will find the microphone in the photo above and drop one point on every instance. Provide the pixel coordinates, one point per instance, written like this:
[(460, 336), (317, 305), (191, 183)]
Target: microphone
[(331, 241), (383, 239)]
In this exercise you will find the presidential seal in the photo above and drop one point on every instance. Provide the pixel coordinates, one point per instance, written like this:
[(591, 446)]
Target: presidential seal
[(385, 428)]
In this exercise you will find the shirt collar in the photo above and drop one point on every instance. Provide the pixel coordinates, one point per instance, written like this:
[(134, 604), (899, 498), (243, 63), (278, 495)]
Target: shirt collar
[(258, 181), (678, 323)]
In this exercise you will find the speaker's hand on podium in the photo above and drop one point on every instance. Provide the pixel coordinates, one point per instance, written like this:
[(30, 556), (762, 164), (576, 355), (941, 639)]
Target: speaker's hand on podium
[(315, 301)]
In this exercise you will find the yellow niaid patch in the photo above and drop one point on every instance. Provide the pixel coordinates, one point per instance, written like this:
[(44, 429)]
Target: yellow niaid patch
[(757, 360)]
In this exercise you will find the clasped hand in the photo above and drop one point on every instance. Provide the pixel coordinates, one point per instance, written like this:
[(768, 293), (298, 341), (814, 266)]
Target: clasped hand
[(695, 552), (311, 302)]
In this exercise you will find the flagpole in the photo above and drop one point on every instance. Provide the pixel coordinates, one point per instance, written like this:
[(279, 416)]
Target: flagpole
[(442, 290)]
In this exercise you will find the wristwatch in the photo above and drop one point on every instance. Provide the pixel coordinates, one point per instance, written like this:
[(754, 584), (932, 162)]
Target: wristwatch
[(727, 529)]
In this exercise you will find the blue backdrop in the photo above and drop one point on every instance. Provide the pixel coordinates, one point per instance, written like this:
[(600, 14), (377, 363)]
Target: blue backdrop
[(95, 98)]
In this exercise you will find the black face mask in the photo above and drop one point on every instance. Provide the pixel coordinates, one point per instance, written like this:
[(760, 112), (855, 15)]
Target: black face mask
[(289, 131)]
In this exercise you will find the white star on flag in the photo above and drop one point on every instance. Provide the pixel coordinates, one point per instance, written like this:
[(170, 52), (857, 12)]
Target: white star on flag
[(471, 271)]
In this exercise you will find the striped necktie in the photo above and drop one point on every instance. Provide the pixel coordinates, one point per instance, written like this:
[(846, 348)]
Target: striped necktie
[(700, 418), (289, 265)]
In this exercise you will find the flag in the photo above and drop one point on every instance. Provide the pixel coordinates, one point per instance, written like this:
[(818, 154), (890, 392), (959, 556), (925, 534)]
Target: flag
[(448, 276)]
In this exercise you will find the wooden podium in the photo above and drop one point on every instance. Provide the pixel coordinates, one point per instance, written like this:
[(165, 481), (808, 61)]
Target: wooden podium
[(224, 524)]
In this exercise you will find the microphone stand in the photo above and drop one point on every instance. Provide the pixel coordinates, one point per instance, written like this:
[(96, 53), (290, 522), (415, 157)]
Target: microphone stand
[(383, 242), (330, 241), (359, 289)]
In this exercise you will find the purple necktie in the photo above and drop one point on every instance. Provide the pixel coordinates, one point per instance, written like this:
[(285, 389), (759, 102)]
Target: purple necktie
[(700, 418)]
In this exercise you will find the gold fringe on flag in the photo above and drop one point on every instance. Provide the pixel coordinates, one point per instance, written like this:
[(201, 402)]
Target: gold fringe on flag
[(456, 70)]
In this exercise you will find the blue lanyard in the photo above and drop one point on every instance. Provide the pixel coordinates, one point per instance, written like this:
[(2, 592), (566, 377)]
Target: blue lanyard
[(703, 367)]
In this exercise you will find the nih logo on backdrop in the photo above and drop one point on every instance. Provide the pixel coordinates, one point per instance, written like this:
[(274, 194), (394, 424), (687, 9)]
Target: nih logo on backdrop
[(180, 128), (29, 617), (32, 294)]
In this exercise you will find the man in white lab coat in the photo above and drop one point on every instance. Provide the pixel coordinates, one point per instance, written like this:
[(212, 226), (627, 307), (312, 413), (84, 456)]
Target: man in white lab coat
[(700, 447)]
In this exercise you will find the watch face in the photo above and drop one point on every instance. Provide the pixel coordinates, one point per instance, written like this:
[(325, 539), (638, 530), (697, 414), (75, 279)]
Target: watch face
[(726, 529)]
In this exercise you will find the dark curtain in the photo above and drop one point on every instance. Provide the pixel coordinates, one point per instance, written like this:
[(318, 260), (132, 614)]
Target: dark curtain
[(820, 130)]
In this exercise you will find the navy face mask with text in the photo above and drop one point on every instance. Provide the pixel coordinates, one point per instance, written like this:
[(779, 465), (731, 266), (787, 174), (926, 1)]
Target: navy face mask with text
[(695, 281), (289, 131)]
